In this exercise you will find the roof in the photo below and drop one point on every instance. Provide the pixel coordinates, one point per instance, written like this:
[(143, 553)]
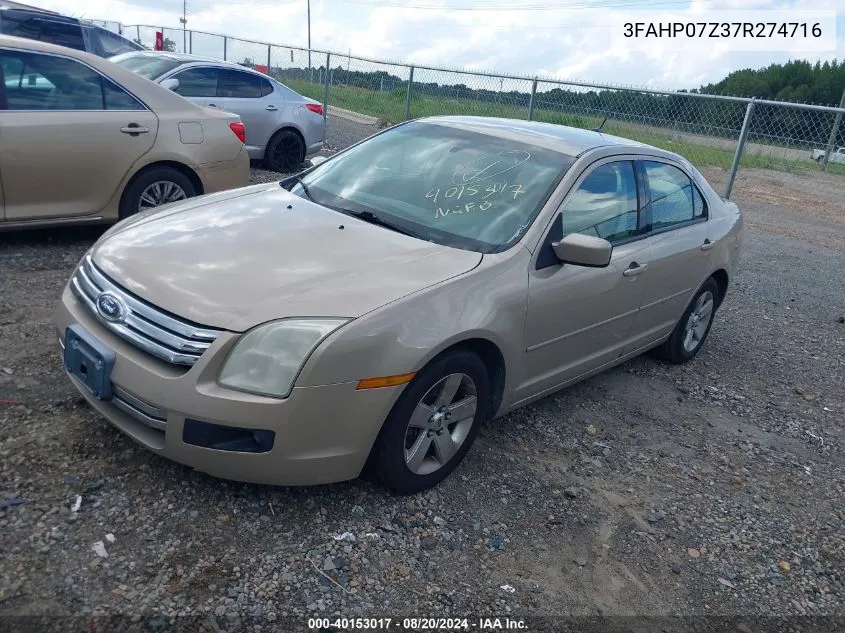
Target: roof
[(185, 58), (567, 140), (8, 4)]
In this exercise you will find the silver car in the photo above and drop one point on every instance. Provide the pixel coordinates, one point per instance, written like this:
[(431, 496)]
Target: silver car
[(282, 126)]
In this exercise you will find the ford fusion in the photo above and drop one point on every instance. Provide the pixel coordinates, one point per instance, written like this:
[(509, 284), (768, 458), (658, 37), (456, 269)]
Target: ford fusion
[(368, 314)]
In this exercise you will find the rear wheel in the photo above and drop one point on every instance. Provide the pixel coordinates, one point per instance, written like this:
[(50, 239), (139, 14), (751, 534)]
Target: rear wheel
[(285, 151), (694, 326), (433, 424), (154, 187)]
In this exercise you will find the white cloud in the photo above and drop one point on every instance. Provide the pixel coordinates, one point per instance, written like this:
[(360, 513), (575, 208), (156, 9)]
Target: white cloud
[(569, 43)]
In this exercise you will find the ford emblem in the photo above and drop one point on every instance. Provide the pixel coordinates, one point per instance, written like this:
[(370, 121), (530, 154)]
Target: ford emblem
[(111, 307)]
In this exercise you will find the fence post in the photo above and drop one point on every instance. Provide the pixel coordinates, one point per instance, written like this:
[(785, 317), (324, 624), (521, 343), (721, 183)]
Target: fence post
[(531, 100), (740, 145), (326, 88), (191, 42), (832, 140), (408, 94), (225, 43), (269, 48), (138, 31)]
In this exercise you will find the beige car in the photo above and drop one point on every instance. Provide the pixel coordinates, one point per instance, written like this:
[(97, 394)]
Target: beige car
[(370, 313), (84, 141)]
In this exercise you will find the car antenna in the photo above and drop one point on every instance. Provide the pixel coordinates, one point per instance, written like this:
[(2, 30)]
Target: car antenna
[(598, 129)]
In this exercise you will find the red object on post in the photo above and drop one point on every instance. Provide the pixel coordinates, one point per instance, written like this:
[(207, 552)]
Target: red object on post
[(262, 69), (159, 41)]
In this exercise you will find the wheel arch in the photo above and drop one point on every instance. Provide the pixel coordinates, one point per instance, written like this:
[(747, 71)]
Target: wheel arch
[(189, 173), (721, 278)]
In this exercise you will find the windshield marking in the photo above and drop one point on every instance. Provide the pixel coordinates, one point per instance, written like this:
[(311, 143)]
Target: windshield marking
[(473, 170)]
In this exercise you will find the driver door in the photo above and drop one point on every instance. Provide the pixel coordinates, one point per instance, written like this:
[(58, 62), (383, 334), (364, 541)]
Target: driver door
[(579, 319)]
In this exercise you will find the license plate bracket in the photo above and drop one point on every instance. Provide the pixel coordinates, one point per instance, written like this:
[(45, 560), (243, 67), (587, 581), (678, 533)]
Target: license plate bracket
[(89, 361)]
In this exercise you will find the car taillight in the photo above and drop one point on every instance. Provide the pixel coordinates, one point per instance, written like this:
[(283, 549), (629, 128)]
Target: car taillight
[(316, 108), (240, 131)]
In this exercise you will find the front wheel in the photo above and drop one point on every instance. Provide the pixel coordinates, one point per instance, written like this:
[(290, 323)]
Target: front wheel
[(694, 326), (433, 424)]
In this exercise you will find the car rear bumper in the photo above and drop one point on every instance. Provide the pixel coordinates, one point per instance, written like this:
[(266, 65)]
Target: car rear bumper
[(224, 175), (317, 435)]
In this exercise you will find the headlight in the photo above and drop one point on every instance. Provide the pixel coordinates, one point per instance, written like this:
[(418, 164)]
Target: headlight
[(267, 359)]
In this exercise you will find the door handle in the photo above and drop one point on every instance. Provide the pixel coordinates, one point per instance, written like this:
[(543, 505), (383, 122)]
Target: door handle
[(211, 105), (707, 244), (134, 129), (271, 108), (635, 269)]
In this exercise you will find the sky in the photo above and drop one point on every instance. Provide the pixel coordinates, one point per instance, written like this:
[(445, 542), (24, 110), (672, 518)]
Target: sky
[(568, 39)]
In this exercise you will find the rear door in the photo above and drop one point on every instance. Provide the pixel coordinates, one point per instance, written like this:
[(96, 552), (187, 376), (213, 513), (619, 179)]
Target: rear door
[(678, 235), (253, 98), (199, 85), (69, 136)]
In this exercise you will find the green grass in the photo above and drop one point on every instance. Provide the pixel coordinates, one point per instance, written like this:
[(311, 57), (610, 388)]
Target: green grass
[(389, 108)]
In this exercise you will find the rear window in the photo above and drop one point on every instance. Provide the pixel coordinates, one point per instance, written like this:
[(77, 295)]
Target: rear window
[(107, 44), (148, 66)]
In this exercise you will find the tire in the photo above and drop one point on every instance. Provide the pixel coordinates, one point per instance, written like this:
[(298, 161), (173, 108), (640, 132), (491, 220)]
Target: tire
[(395, 460), (172, 184), (682, 346), (285, 152)]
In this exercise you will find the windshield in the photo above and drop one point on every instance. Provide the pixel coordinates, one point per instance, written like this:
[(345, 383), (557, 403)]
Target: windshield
[(148, 66), (442, 183)]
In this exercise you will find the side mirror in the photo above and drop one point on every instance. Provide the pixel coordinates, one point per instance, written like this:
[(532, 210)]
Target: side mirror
[(171, 83), (317, 160), (583, 250)]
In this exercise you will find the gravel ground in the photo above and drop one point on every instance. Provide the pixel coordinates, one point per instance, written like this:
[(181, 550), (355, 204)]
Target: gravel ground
[(712, 488)]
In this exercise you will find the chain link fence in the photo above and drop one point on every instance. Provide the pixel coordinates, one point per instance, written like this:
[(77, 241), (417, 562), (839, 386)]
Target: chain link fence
[(363, 95)]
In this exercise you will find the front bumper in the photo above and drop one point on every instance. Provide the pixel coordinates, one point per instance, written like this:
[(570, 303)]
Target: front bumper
[(323, 434)]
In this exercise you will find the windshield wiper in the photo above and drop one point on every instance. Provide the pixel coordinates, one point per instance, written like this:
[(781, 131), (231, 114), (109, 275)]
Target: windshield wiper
[(372, 218), (304, 188)]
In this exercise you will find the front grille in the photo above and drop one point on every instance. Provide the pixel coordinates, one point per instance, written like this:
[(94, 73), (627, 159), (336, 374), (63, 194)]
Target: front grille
[(167, 337)]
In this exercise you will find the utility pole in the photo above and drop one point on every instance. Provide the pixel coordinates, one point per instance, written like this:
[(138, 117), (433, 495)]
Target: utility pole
[(309, 34), (184, 21)]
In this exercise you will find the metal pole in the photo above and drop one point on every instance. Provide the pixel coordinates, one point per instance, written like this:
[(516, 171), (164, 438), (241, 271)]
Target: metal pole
[(408, 94), (740, 145), (309, 34), (184, 22), (138, 31), (225, 46), (832, 140), (191, 41), (531, 100), (269, 47), (326, 88)]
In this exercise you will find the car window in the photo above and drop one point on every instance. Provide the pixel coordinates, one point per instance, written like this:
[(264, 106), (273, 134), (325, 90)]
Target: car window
[(235, 84), (26, 26), (34, 81), (674, 199), (107, 43), (443, 183), (63, 34), (604, 204), (197, 82)]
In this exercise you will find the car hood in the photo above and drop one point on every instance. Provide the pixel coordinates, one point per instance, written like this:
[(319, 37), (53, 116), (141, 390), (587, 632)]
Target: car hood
[(239, 258)]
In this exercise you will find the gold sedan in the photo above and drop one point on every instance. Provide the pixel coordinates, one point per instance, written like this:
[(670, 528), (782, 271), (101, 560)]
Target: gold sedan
[(85, 141)]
